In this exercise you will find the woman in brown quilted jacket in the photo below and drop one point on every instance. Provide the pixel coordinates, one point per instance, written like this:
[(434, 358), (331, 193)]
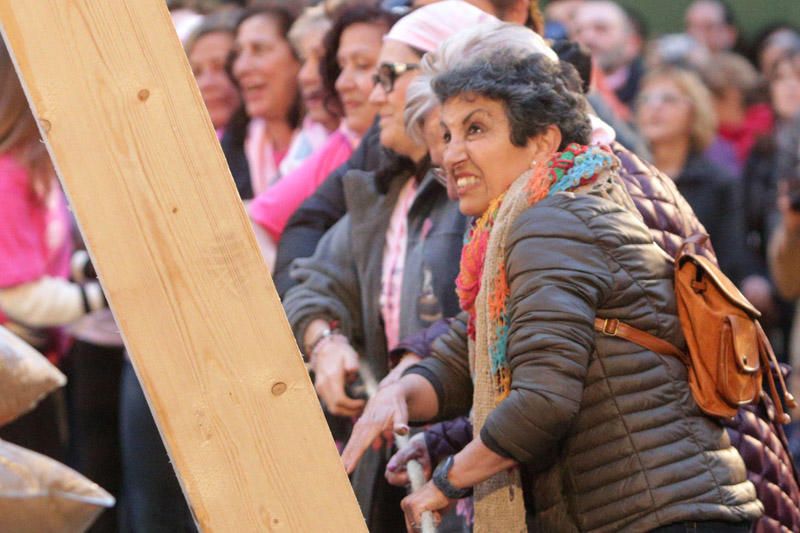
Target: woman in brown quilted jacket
[(754, 432), (596, 433)]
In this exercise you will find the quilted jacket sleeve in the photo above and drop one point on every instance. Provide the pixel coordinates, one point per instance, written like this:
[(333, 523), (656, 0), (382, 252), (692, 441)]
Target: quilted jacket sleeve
[(421, 342), (327, 286), (447, 369), (447, 438), (558, 277)]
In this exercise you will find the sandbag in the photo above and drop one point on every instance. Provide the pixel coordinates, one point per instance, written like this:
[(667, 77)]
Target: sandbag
[(40, 495), (26, 376)]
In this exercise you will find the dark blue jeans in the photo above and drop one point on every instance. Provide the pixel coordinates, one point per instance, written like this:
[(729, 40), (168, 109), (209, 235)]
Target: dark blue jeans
[(151, 496), (704, 525)]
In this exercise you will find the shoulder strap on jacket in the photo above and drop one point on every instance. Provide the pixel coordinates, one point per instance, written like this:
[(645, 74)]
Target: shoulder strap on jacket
[(612, 327)]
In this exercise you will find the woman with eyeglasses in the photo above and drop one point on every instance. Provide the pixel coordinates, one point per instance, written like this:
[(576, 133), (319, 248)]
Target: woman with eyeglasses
[(675, 114), (387, 268), (347, 67), (326, 206), (574, 430)]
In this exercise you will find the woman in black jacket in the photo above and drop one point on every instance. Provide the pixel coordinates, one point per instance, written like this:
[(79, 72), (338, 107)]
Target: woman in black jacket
[(675, 114)]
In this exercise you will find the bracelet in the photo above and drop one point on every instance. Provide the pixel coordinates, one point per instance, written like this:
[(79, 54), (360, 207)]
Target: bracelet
[(441, 482), (324, 334), (318, 343)]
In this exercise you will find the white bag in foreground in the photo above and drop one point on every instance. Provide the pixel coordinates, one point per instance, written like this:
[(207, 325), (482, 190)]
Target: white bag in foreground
[(26, 376), (40, 495)]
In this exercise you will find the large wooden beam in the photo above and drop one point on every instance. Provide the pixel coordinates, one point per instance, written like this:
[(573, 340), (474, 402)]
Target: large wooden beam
[(135, 150)]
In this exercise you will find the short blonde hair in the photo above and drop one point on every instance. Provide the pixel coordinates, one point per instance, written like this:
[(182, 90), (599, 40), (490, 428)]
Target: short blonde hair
[(313, 19), (704, 119)]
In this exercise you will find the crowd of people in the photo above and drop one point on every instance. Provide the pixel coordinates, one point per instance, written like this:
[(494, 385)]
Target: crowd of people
[(449, 194)]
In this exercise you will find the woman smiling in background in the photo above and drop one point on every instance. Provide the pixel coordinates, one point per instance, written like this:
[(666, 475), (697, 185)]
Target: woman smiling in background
[(347, 65)]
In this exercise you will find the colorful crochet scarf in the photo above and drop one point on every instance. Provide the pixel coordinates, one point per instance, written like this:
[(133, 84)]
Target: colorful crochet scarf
[(483, 292), (576, 166)]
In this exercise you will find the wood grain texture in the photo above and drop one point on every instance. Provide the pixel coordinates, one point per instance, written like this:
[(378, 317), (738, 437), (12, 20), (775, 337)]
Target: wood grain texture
[(139, 159)]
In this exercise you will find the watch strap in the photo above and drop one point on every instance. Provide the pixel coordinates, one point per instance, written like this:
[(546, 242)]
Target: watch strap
[(443, 484)]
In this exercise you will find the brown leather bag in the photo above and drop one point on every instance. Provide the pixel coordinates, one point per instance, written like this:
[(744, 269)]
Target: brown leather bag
[(729, 353)]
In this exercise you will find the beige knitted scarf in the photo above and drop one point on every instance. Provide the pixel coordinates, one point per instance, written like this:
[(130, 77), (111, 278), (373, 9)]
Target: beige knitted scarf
[(499, 505)]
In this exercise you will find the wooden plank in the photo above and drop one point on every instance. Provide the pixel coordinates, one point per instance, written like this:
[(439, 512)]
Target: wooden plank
[(138, 157)]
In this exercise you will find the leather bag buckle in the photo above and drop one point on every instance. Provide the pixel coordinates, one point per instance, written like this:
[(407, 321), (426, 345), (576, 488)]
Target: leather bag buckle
[(610, 327)]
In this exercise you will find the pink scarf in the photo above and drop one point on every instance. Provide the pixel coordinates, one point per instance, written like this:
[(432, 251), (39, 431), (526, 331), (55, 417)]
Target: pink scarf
[(262, 158)]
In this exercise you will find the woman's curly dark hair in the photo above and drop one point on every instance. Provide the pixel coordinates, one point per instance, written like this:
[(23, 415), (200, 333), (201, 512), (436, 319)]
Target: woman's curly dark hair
[(329, 65), (535, 91)]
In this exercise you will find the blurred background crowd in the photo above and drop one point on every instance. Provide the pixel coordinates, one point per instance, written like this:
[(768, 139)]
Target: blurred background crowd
[(289, 88)]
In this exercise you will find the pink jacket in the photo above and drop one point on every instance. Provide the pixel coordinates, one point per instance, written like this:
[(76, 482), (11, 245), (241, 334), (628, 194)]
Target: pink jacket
[(35, 235), (272, 208)]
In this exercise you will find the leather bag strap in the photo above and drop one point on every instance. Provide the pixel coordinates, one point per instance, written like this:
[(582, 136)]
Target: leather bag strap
[(772, 367), (695, 240), (612, 327)]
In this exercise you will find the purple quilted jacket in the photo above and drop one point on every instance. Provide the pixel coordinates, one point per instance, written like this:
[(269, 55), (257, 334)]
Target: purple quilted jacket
[(754, 432)]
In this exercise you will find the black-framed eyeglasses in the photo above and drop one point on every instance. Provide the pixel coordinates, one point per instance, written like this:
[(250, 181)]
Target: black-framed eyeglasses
[(389, 72), (440, 174)]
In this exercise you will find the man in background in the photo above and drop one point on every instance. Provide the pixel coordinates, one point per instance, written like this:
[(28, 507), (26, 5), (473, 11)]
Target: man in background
[(712, 23), (612, 37)]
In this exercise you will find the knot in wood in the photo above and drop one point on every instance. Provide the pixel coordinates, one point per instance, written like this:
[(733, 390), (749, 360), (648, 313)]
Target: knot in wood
[(278, 388), (143, 95)]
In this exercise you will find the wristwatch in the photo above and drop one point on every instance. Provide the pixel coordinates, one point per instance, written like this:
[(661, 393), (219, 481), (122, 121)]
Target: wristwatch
[(441, 482)]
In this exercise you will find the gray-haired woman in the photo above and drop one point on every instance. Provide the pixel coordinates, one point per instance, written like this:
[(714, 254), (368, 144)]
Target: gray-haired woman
[(596, 433)]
